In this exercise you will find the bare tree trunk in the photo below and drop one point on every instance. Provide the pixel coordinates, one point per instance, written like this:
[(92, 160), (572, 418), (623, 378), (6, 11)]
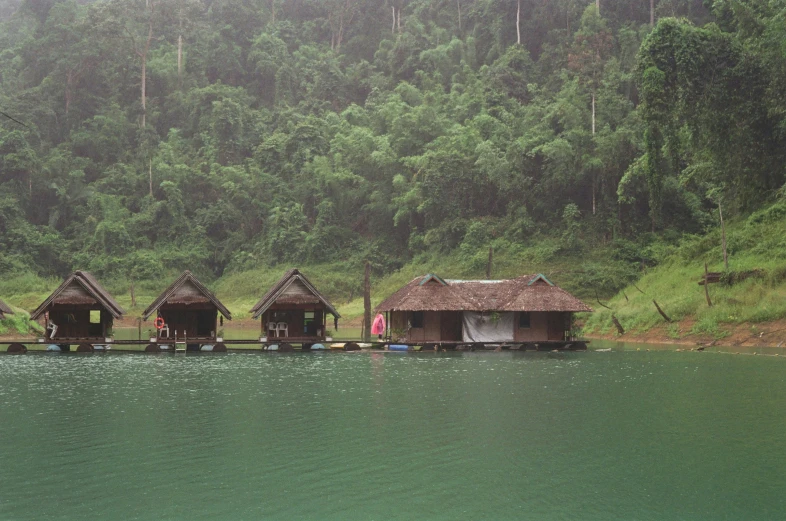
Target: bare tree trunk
[(150, 175), (594, 182), (458, 3), (180, 60), (367, 303), (593, 113), (652, 13), (518, 22), (723, 240), (597, 5), (273, 11), (393, 29), (398, 20), (68, 91)]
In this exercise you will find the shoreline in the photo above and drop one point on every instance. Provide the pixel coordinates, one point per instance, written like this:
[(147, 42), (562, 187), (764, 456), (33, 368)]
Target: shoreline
[(744, 335)]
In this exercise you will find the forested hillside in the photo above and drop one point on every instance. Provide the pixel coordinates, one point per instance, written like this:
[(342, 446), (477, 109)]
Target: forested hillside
[(150, 136)]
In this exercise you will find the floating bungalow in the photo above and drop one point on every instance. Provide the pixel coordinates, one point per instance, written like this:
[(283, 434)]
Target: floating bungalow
[(80, 311), (294, 310), (4, 310), (526, 310), (187, 312)]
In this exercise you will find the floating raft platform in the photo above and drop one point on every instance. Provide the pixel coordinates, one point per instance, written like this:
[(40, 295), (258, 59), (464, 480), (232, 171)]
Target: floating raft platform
[(276, 345)]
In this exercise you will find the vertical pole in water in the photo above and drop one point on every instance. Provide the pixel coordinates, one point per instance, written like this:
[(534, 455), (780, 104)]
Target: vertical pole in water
[(707, 285), (367, 303)]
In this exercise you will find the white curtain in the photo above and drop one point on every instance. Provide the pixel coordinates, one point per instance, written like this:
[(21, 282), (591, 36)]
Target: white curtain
[(487, 327)]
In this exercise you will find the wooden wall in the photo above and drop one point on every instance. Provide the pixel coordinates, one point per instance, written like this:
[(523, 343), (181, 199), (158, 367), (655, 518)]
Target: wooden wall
[(537, 331)]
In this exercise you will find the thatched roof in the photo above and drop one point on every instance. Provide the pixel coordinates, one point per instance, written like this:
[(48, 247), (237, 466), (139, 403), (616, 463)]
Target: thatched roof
[(4, 309), (186, 290), (292, 288), (80, 288), (525, 293)]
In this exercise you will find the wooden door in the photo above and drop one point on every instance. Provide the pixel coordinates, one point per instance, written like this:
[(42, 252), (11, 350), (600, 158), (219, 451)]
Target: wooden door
[(450, 326), (556, 326)]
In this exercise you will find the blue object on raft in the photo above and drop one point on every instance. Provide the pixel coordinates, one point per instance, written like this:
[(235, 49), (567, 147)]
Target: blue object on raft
[(318, 347), (207, 347), (398, 347), (272, 347), (53, 347)]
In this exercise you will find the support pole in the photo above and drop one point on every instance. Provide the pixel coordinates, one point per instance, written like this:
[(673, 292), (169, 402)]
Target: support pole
[(707, 285), (367, 303)]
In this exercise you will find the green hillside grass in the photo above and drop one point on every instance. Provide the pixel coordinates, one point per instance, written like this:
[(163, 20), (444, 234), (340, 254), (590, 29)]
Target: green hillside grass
[(580, 270), (757, 242)]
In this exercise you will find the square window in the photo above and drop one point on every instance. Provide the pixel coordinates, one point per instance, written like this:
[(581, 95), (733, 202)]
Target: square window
[(416, 320), (524, 320), (95, 316)]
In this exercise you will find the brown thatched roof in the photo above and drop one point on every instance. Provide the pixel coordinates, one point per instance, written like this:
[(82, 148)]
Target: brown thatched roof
[(292, 288), (525, 293), (4, 309), (172, 296), (80, 288)]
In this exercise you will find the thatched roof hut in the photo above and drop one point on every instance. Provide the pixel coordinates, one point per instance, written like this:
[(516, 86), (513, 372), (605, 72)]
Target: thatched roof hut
[(187, 309), (529, 308), (293, 308), (525, 293), (79, 310)]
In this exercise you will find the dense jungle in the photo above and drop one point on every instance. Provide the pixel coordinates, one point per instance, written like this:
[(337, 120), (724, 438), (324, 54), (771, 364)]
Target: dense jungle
[(591, 140)]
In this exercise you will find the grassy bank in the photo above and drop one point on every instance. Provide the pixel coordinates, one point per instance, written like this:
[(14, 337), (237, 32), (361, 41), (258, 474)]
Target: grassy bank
[(751, 308), (580, 270)]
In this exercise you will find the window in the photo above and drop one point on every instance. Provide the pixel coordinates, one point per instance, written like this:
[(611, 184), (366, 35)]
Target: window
[(95, 316), (524, 320), (416, 320), (308, 323)]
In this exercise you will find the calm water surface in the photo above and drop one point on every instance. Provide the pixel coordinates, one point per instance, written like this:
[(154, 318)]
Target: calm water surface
[(526, 436)]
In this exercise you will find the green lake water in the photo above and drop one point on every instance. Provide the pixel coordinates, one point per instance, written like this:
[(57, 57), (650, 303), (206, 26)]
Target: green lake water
[(620, 435)]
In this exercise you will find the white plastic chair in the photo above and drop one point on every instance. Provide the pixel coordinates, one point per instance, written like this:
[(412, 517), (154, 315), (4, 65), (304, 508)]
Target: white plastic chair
[(272, 329), (283, 327), (164, 331)]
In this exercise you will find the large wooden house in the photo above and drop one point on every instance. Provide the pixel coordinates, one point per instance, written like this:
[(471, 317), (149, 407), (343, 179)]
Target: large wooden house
[(79, 311), (527, 309), (294, 310), (187, 311), (5, 310)]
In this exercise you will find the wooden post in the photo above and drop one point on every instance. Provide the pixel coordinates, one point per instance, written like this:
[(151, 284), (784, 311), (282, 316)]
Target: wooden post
[(367, 303), (723, 240), (139, 328), (491, 260), (664, 315), (707, 285), (617, 324)]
